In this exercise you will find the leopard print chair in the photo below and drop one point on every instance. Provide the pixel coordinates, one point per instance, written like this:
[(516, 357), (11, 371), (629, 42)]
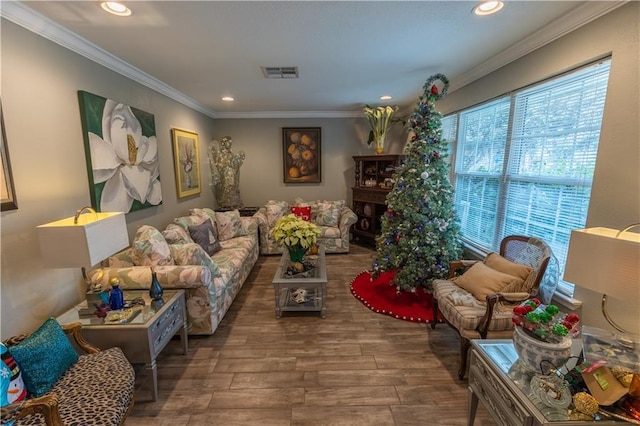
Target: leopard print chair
[(97, 390)]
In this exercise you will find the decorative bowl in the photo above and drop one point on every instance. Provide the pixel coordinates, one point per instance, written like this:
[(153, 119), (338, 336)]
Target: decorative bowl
[(539, 356)]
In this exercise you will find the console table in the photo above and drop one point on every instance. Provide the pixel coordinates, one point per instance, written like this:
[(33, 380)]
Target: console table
[(496, 380), (144, 335)]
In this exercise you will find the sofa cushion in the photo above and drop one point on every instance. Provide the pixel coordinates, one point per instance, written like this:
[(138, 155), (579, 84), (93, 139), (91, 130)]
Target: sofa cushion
[(328, 214), (150, 248), (303, 213), (480, 280), (204, 234), (275, 210), (44, 356), (176, 234), (193, 254), (229, 225), (186, 221), (205, 212)]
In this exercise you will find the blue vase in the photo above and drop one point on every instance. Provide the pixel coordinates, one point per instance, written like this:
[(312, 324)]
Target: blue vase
[(116, 297), (155, 290)]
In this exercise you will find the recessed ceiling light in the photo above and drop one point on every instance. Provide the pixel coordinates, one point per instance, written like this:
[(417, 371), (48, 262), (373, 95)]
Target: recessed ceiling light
[(385, 97), (487, 7), (227, 98), (115, 8)]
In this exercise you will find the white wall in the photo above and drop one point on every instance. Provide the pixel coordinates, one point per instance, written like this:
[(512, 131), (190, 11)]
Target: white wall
[(615, 196)]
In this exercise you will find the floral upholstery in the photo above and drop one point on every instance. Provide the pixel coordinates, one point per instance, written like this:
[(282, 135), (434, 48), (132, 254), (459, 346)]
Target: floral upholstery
[(333, 218), (210, 290)]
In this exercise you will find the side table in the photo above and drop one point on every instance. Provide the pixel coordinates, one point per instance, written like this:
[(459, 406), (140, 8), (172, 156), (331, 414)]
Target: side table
[(144, 335), (244, 211)]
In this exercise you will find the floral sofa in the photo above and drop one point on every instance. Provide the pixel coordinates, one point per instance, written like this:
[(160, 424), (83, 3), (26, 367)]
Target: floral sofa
[(333, 218), (181, 257)]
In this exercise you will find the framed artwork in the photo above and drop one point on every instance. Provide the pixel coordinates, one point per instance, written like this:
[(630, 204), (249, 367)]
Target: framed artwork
[(7, 190), (186, 158), (121, 152), (301, 154)]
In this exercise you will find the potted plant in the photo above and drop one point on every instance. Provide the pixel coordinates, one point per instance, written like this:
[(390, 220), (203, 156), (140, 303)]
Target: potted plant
[(380, 119), (296, 234)]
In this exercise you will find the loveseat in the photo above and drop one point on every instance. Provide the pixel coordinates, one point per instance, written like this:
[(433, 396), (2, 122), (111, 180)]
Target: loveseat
[(181, 257), (60, 386), (333, 218)]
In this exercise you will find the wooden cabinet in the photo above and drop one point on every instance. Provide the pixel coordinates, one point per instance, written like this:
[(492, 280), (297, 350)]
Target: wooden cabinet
[(373, 181)]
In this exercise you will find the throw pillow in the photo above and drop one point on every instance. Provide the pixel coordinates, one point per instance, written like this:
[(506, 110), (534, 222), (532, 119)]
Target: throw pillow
[(186, 221), (313, 204), (303, 213), (13, 389), (206, 212), (175, 234), (229, 225), (481, 281), (275, 210), (204, 235), (194, 254), (500, 264), (150, 248), (328, 214), (44, 356)]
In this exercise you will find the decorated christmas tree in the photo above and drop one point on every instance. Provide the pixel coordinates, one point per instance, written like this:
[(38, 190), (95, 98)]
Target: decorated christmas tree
[(420, 233)]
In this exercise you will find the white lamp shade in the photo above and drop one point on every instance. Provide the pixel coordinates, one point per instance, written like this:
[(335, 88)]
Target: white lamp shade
[(602, 261), (95, 237)]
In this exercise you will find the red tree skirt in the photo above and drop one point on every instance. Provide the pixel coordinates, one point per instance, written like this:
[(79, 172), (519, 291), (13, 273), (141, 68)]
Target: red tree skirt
[(382, 298)]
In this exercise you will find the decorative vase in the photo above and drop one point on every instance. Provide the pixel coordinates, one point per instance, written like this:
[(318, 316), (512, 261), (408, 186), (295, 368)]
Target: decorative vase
[(155, 289), (296, 252), (379, 140), (116, 297), (538, 356)]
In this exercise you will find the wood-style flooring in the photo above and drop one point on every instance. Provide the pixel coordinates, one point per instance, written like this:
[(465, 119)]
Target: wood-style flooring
[(355, 367)]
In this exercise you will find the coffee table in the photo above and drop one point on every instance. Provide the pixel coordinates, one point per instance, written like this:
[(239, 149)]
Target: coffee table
[(314, 282), (144, 335)]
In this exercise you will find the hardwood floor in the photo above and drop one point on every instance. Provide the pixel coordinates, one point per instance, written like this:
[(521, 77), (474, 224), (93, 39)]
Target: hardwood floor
[(355, 367)]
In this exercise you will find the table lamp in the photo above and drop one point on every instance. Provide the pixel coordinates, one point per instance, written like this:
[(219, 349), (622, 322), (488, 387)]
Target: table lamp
[(83, 240), (607, 261)]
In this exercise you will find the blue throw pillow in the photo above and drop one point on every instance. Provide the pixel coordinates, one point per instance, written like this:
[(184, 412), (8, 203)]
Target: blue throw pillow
[(44, 356)]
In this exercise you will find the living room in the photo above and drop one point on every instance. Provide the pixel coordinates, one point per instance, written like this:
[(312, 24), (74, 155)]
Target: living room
[(40, 80)]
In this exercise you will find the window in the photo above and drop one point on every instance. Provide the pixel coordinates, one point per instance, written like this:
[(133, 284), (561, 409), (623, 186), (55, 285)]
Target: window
[(524, 162)]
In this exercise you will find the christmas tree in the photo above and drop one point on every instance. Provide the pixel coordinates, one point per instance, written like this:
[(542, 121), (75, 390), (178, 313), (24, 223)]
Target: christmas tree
[(420, 233)]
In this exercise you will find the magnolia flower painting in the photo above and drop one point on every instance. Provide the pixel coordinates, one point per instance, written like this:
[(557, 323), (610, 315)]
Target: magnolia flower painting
[(122, 155)]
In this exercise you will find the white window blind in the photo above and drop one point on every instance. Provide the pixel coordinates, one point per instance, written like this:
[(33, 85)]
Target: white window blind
[(525, 162)]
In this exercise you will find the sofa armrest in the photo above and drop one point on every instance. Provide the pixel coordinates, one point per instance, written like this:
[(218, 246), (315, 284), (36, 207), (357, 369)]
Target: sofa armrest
[(261, 218), (347, 218), (171, 276), (250, 225), (47, 405)]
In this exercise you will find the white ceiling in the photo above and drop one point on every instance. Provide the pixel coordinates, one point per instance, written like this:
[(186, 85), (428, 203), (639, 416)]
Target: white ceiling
[(349, 53)]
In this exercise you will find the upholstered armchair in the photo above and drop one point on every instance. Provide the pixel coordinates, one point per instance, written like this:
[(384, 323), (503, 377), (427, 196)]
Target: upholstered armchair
[(478, 297)]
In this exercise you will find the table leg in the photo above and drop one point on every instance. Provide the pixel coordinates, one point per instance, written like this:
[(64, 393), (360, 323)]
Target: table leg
[(154, 377), (473, 406)]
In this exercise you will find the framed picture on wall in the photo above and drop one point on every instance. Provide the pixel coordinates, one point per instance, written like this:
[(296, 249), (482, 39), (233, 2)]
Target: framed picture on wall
[(121, 152), (301, 154), (7, 190), (186, 159)]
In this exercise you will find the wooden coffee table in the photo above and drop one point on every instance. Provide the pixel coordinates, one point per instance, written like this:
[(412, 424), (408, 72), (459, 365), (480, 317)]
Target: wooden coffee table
[(144, 336), (314, 282)]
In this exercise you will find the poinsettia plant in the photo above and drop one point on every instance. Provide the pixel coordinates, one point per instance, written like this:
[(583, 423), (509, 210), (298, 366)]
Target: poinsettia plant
[(545, 322), (291, 230)]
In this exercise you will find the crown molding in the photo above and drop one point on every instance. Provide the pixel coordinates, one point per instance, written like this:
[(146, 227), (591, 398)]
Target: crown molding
[(573, 20), (24, 16)]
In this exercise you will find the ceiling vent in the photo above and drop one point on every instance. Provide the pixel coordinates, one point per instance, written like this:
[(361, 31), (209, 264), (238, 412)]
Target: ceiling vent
[(280, 72)]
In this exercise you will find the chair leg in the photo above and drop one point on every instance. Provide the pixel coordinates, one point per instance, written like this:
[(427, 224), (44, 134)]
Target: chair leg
[(465, 345), (434, 307)]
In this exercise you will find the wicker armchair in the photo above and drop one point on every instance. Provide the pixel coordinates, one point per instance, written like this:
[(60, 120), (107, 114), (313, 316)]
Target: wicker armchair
[(491, 318)]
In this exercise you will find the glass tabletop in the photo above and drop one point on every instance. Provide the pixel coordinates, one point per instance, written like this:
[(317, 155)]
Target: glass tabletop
[(134, 312)]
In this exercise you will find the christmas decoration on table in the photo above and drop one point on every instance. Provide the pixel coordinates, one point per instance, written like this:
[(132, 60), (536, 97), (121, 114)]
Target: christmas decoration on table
[(296, 234), (419, 231), (545, 322), (381, 120)]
